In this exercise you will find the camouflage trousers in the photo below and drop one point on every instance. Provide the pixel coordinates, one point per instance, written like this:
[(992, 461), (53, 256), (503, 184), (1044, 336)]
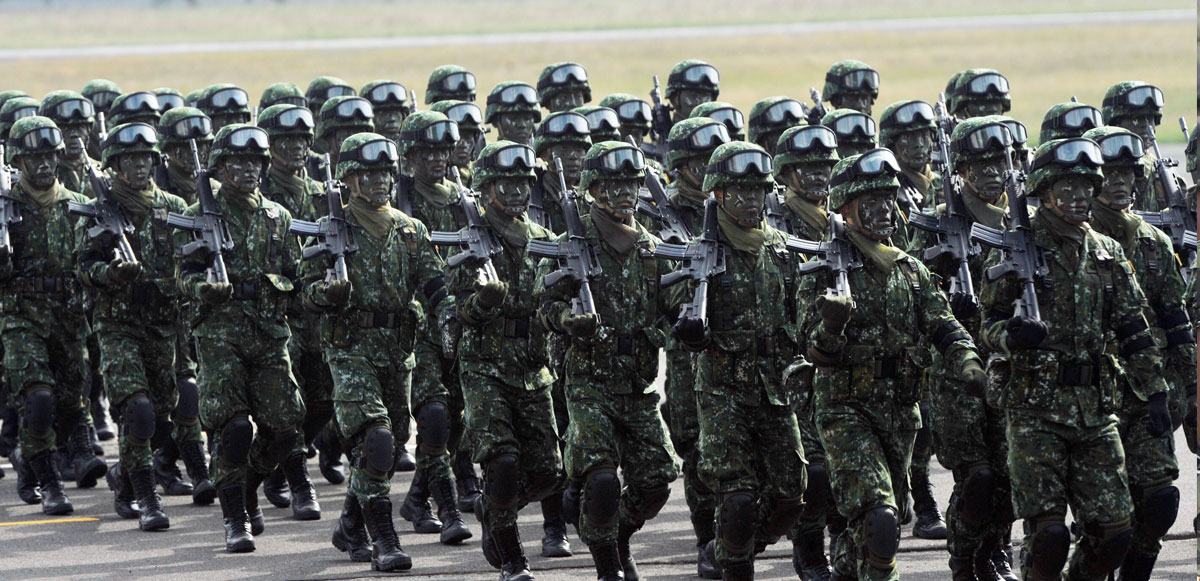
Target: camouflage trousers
[(316, 383), (1150, 462), (138, 358), (52, 358), (968, 434), (505, 419), (684, 424), (436, 379), (617, 430), (248, 373), (367, 392), (814, 453), (1055, 466), (748, 447), (186, 429), (868, 450)]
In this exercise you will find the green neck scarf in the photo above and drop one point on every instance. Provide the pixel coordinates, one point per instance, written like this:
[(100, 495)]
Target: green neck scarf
[(620, 236), (514, 231), (137, 203), (741, 238), (40, 198), (920, 180), (692, 195), (883, 256), (294, 186), (812, 214), (183, 180), (438, 195), (1069, 236), (1120, 225), (983, 212), (246, 202), (378, 222)]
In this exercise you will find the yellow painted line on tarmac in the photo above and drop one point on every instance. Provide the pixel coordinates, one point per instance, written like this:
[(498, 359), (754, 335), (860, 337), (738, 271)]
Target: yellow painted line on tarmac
[(18, 523)]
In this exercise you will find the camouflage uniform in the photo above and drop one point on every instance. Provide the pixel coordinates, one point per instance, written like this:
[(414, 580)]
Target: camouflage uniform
[(75, 117), (390, 103), (707, 88), (858, 141), (546, 188), (498, 108), (471, 139), (1118, 112)]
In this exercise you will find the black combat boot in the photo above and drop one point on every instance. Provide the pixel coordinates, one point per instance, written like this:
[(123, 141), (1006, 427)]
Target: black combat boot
[(54, 498), (984, 569), (203, 491), (628, 565), (404, 461), (416, 508), (514, 566), (386, 554), (122, 488), (962, 569), (350, 533), (929, 523), (88, 468), (808, 556), (486, 542), (253, 512), (466, 480), (554, 541), (708, 564), (303, 493), (1002, 558), (454, 531), (1137, 566), (238, 538), (65, 463), (738, 571), (329, 452), (149, 504), (166, 470), (608, 562), (27, 482), (275, 488)]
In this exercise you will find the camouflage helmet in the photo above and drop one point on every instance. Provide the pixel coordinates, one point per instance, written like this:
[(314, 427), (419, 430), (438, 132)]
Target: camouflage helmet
[(426, 130), (1069, 119), (949, 91), (1129, 98), (67, 107), (726, 113), (561, 127), (324, 88), (851, 127), (905, 117), (168, 99), (1045, 168), (287, 119), (512, 97), (129, 138), (637, 115), (489, 167), (223, 99), (561, 77), (385, 94), (1118, 146), (686, 140), (14, 109), (35, 134), (625, 157), (1190, 151), (693, 74), (129, 107), (804, 144), (966, 145), (101, 92), (184, 123), (774, 114), (345, 112), (719, 174), (850, 76), (603, 122), (282, 93), (193, 97), (364, 151), (851, 179), (6, 95), (450, 82), (465, 113), (249, 140), (980, 85)]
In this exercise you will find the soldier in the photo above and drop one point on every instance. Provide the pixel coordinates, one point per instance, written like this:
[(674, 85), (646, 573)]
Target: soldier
[(241, 332), (168, 99), (324, 88), (470, 131), (750, 450), (563, 86), (371, 323), (770, 117), (566, 136), (1070, 119), (14, 109), (139, 107), (851, 84), (176, 132), (1137, 107), (224, 104), (10, 94), (907, 128), (427, 138), (603, 123), (450, 82), (390, 104), (135, 314), (978, 93), (691, 83), (282, 94), (731, 116), (634, 115), (855, 131), (503, 366), (869, 430), (75, 116), (101, 92), (512, 109), (1149, 459), (1060, 397), (44, 322), (340, 118)]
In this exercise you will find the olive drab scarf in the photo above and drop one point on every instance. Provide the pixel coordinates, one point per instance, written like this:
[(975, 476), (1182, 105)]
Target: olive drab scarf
[(992, 216), (921, 180), (439, 195), (1069, 237), (137, 203), (692, 195), (41, 198), (883, 256), (512, 230), (377, 221), (244, 202), (621, 237), (1118, 224), (183, 180), (812, 214), (741, 238), (294, 185)]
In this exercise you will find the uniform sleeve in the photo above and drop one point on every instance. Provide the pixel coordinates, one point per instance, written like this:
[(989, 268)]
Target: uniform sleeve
[(555, 300), (289, 261), (1135, 344), (938, 324), (996, 301), (461, 281), (430, 276)]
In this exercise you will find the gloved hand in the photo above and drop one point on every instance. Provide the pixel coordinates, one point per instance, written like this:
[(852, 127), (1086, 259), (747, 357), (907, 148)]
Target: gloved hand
[(963, 306), (835, 312), (580, 325), (799, 375), (491, 294), (1025, 333), (122, 272), (214, 293), (337, 292), (691, 332), (1160, 417), (975, 378)]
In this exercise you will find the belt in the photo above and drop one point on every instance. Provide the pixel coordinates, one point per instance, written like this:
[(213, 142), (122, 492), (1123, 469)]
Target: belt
[(516, 328), (40, 284), (886, 367), (374, 320), (1073, 374), (245, 291)]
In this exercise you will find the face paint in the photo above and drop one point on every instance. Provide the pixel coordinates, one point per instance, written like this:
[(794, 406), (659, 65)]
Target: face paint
[(745, 202), (464, 147), (240, 173), (571, 155), (914, 149), (984, 108), (510, 195), (617, 197), (428, 163), (1117, 192), (72, 133), (373, 185), (693, 169), (565, 101), (1139, 124), (858, 101), (516, 126), (290, 151), (811, 180), (388, 121), (987, 177), (687, 99), (876, 215), (41, 167), (1071, 197), (136, 168)]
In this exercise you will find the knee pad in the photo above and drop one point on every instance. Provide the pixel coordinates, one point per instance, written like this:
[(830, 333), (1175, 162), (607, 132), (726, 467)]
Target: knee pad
[(978, 490), (781, 516), (818, 493), (163, 435), (39, 410), (540, 485), (1156, 510), (602, 496), (735, 523), (139, 418), (433, 428), (187, 409), (235, 440), (1107, 544), (503, 482), (652, 501), (881, 533), (1049, 544), (378, 453)]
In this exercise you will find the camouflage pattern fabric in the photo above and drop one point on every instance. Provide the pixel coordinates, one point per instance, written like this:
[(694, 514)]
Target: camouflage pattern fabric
[(1149, 195)]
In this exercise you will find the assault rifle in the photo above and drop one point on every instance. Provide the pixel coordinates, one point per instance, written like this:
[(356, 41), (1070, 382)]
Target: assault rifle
[(334, 237), (660, 123), (671, 227), (703, 260), (8, 206), (209, 231), (476, 239), (577, 258), (1176, 220), (835, 254), (108, 220)]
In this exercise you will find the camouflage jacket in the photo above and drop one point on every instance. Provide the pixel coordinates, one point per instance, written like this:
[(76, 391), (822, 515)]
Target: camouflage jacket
[(547, 187), (74, 176), (1069, 379), (40, 287), (154, 296), (449, 218), (308, 204), (1149, 194)]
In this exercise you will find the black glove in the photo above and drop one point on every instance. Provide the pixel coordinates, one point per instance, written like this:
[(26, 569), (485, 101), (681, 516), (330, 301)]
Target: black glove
[(214, 293), (122, 272), (580, 325), (963, 306), (975, 378), (691, 332), (491, 294), (1160, 417), (337, 292), (835, 312), (1025, 333)]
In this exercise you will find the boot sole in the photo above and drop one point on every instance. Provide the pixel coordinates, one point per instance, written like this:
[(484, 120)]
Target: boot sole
[(357, 556), (91, 475), (155, 526), (246, 546), (204, 497)]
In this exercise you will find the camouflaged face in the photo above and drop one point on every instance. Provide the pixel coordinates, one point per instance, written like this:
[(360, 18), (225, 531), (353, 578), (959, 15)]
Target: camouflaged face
[(273, 93), (677, 156), (416, 122), (782, 161), (354, 142), (1045, 176), (326, 125), (963, 129), (1047, 134), (714, 180), (546, 89), (843, 193), (174, 115), (112, 149), (23, 126), (217, 153), (493, 109), (888, 136), (838, 69), (1193, 145), (434, 94), (1114, 112), (673, 87), (541, 142), (486, 175), (597, 150)]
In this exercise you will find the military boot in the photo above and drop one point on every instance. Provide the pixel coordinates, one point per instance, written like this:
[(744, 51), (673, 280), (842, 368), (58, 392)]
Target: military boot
[(350, 533), (122, 488), (628, 564), (1137, 566), (467, 481), (275, 488), (708, 557), (608, 561), (386, 553), (166, 469), (329, 452), (255, 514), (962, 569), (203, 491), (554, 541), (88, 468), (486, 542), (303, 493), (1002, 559), (416, 508), (454, 531), (238, 538), (808, 556), (54, 498), (984, 569), (8, 428), (149, 503), (27, 482), (514, 566), (738, 571), (404, 461), (63, 461), (929, 523)]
